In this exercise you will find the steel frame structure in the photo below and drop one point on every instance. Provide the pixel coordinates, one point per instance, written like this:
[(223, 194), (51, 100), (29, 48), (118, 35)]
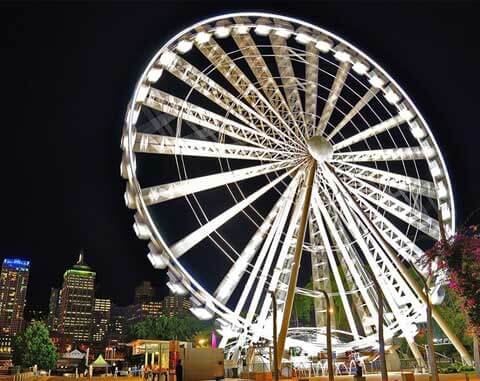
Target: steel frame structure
[(264, 86)]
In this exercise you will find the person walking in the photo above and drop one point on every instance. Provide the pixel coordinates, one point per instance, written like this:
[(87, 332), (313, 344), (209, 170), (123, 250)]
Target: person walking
[(179, 370)]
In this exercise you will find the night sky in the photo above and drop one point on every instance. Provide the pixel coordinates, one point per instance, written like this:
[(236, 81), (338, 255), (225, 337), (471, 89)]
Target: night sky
[(68, 71)]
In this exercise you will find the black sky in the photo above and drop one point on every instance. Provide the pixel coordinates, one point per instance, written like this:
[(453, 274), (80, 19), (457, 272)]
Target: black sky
[(68, 70)]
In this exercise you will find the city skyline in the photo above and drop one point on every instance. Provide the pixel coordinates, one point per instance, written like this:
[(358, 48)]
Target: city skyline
[(88, 71)]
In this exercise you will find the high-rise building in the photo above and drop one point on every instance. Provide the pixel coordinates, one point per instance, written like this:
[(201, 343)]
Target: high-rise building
[(13, 290), (53, 307), (144, 293), (138, 312), (101, 319), (176, 305), (77, 301), (117, 329)]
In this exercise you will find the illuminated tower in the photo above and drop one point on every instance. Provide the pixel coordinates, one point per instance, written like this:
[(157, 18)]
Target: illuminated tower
[(77, 300), (101, 319), (13, 289)]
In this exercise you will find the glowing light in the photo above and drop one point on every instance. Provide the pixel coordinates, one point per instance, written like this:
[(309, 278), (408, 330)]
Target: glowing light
[(375, 80), (324, 44), (241, 29), (202, 313), (167, 59), (303, 38), (392, 96), (16, 263), (263, 30), (142, 93), (177, 288), (184, 46), (141, 229), (417, 131), (282, 32), (202, 37), (154, 74), (405, 112), (222, 31), (342, 55), (360, 67)]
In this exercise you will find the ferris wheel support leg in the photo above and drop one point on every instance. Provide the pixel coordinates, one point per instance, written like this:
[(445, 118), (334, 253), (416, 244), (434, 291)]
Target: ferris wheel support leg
[(404, 271), (416, 353), (292, 285)]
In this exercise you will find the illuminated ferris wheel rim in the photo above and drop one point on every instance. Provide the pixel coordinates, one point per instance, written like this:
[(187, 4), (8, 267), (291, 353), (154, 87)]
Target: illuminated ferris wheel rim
[(185, 279)]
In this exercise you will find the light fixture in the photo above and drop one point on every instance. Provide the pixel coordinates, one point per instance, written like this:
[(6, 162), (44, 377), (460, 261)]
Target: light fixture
[(417, 131), (202, 313), (140, 227), (324, 44), (392, 96), (283, 32), (376, 80), (154, 74), (222, 31), (241, 29), (184, 46), (342, 54), (405, 112), (263, 30), (360, 66), (167, 59), (202, 37)]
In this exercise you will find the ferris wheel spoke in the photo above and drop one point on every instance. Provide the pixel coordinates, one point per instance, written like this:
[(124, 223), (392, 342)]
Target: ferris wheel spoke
[(267, 243), (248, 92), (374, 130), (405, 212), (185, 244), (311, 93), (402, 182), (169, 145), (287, 74), (318, 210), (336, 89), (197, 80), (161, 101), (368, 96), (388, 154), (389, 278), (240, 266), (400, 242), (284, 263), (166, 192), (260, 69)]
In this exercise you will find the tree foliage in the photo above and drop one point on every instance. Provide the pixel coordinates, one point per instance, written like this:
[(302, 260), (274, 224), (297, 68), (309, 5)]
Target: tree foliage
[(34, 347), (183, 327)]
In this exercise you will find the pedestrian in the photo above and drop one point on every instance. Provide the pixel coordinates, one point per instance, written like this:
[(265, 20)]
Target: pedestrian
[(179, 370), (358, 369)]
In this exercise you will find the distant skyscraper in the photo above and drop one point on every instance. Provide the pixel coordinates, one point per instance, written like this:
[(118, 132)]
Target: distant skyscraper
[(117, 329), (175, 305), (101, 319), (13, 290), (53, 307), (144, 293), (77, 301)]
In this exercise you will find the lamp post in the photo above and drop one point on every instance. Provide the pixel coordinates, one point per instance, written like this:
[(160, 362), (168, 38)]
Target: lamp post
[(329, 336), (275, 347)]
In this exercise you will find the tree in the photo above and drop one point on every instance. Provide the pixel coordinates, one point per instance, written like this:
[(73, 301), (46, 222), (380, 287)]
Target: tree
[(34, 347)]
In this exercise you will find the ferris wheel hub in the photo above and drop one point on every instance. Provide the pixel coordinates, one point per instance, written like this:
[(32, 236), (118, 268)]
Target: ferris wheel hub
[(320, 148)]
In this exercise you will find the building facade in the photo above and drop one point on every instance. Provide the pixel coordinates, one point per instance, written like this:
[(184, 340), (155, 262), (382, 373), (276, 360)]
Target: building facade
[(101, 319), (174, 305), (13, 291), (144, 293), (53, 309), (77, 301)]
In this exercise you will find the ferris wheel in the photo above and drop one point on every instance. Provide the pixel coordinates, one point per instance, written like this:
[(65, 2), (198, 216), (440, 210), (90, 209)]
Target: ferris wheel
[(249, 135)]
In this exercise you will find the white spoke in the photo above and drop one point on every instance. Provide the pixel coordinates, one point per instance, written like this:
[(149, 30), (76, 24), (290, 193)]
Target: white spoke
[(165, 192), (235, 273), (161, 101), (335, 91), (387, 154), (169, 145), (261, 71), (285, 68), (216, 93), (185, 244), (248, 92), (354, 111), (402, 182), (319, 210), (405, 212), (270, 237), (396, 291), (311, 93), (372, 131)]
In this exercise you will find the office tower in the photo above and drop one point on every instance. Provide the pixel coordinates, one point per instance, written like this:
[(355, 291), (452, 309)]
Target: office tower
[(13, 290), (53, 307), (117, 329), (144, 293), (101, 319), (77, 301), (176, 305)]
